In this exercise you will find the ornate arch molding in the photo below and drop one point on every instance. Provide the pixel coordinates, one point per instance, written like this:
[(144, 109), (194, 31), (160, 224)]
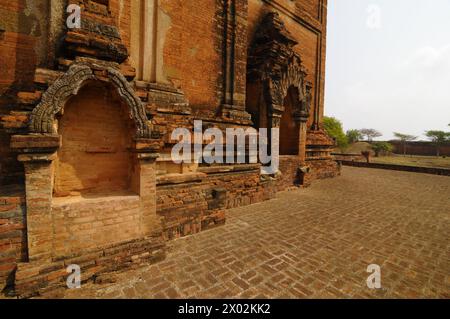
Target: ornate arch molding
[(276, 66), (43, 117)]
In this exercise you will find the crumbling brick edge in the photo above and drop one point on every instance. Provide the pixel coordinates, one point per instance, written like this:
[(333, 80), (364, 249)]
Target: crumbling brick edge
[(33, 279)]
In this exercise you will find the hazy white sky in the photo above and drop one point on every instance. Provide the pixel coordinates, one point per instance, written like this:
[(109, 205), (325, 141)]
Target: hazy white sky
[(388, 65)]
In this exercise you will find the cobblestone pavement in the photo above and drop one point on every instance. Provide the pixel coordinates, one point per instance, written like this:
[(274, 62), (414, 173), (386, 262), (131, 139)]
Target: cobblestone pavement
[(312, 243)]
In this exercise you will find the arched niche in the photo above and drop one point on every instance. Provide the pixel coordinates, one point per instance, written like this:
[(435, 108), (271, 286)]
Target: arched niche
[(103, 118), (105, 158), (276, 76), (96, 134), (44, 116)]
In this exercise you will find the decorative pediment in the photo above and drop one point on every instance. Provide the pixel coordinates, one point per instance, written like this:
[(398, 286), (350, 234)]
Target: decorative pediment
[(273, 61), (43, 117)]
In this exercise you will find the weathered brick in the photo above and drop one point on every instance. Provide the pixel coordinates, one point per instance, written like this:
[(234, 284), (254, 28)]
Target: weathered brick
[(101, 187)]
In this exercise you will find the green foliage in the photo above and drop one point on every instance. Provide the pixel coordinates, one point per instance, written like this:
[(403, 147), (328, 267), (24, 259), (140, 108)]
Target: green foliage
[(379, 147), (354, 136), (438, 138), (333, 127)]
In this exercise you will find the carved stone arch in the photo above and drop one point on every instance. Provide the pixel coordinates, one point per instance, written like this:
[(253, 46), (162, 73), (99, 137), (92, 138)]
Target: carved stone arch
[(293, 75), (43, 117), (276, 66)]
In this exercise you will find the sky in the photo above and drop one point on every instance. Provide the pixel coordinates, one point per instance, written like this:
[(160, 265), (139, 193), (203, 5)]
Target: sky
[(388, 65)]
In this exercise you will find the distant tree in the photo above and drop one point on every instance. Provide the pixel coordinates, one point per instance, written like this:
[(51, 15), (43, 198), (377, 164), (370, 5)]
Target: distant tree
[(379, 147), (354, 136), (403, 138), (333, 127), (370, 133), (438, 138)]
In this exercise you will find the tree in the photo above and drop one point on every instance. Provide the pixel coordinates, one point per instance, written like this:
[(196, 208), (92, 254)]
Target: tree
[(354, 136), (438, 138), (333, 127), (370, 133), (403, 138), (379, 147)]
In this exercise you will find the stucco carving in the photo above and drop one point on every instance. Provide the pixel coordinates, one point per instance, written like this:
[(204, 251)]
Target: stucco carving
[(55, 98), (274, 63)]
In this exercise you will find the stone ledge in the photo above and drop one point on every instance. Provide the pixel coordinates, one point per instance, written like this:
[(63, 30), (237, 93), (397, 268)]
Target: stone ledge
[(95, 199), (228, 169), (415, 169), (148, 145), (180, 178), (36, 157), (35, 141)]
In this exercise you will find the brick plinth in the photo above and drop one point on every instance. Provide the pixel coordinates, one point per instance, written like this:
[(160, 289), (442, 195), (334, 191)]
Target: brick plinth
[(320, 169), (192, 206), (31, 279)]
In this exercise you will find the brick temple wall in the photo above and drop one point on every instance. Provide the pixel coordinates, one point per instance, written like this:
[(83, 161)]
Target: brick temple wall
[(11, 171), (192, 60), (13, 245), (289, 172), (188, 208), (192, 45)]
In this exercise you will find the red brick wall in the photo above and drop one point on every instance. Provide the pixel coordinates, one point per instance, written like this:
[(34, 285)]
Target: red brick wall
[(23, 44), (193, 51), (22, 48), (191, 58), (288, 167), (185, 206), (11, 171), (121, 10), (311, 7), (306, 22), (13, 245)]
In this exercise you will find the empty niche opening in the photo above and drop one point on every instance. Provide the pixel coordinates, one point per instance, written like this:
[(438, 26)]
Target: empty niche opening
[(94, 158), (289, 127)]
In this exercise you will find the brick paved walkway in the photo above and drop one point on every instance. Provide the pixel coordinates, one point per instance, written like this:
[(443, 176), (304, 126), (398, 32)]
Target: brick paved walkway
[(314, 242)]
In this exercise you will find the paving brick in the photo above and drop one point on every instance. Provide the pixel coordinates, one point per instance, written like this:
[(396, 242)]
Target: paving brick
[(330, 232)]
